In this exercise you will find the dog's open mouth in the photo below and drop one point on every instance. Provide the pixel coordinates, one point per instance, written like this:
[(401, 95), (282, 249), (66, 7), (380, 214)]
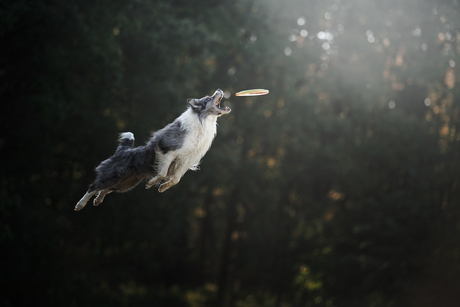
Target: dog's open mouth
[(219, 98)]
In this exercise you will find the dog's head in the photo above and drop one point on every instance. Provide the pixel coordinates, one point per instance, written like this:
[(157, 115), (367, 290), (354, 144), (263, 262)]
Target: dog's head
[(209, 105)]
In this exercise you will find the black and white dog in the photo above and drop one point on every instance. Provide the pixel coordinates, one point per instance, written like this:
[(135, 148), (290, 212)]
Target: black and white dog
[(169, 153)]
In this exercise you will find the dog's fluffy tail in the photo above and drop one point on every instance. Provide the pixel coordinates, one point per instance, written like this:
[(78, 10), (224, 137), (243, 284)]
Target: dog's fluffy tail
[(126, 141), (117, 173)]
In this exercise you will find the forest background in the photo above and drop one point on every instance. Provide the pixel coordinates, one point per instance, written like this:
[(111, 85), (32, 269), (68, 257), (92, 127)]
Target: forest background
[(339, 188)]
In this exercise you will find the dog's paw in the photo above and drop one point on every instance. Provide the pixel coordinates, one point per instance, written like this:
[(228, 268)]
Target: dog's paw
[(153, 182), (163, 187)]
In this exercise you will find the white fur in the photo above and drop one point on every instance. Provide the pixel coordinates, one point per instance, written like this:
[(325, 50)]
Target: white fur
[(198, 140), (82, 203), (127, 135)]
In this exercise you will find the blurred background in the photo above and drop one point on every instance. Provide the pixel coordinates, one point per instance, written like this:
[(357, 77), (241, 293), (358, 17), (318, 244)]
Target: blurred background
[(339, 188)]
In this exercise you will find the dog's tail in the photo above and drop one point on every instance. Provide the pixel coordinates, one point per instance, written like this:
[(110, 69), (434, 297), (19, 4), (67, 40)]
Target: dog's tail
[(126, 141)]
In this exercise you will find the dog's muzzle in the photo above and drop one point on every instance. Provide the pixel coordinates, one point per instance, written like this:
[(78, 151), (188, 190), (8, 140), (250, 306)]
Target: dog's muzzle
[(218, 95)]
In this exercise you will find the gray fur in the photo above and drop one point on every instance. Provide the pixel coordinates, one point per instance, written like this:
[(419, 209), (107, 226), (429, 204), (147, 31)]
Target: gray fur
[(130, 165), (170, 137)]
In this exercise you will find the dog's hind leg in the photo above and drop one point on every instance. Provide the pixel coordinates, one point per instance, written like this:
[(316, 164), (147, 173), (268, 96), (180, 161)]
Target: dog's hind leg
[(100, 197), (82, 203)]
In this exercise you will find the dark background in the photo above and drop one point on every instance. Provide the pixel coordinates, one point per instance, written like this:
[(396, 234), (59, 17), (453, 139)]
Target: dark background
[(339, 188)]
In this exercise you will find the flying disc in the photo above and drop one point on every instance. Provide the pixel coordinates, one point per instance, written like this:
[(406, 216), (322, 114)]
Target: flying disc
[(253, 92)]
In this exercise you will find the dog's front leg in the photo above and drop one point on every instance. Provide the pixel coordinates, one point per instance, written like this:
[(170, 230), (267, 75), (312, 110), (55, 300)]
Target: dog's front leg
[(163, 187), (174, 177), (163, 164)]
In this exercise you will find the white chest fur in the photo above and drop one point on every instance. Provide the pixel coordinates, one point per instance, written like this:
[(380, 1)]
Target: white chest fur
[(198, 139)]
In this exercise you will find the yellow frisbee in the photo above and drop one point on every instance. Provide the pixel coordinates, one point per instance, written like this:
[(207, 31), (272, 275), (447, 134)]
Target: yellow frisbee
[(253, 92)]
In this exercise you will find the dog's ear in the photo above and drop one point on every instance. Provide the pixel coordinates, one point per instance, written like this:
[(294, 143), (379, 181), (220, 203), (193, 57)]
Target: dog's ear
[(194, 103)]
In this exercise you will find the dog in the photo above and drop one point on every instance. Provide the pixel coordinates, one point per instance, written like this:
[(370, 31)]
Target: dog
[(168, 154)]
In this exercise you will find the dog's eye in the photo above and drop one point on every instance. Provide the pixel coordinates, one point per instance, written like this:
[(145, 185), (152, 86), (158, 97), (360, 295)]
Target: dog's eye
[(208, 99)]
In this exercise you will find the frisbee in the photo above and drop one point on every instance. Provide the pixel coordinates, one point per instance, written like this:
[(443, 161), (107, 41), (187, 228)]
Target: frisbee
[(253, 92)]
